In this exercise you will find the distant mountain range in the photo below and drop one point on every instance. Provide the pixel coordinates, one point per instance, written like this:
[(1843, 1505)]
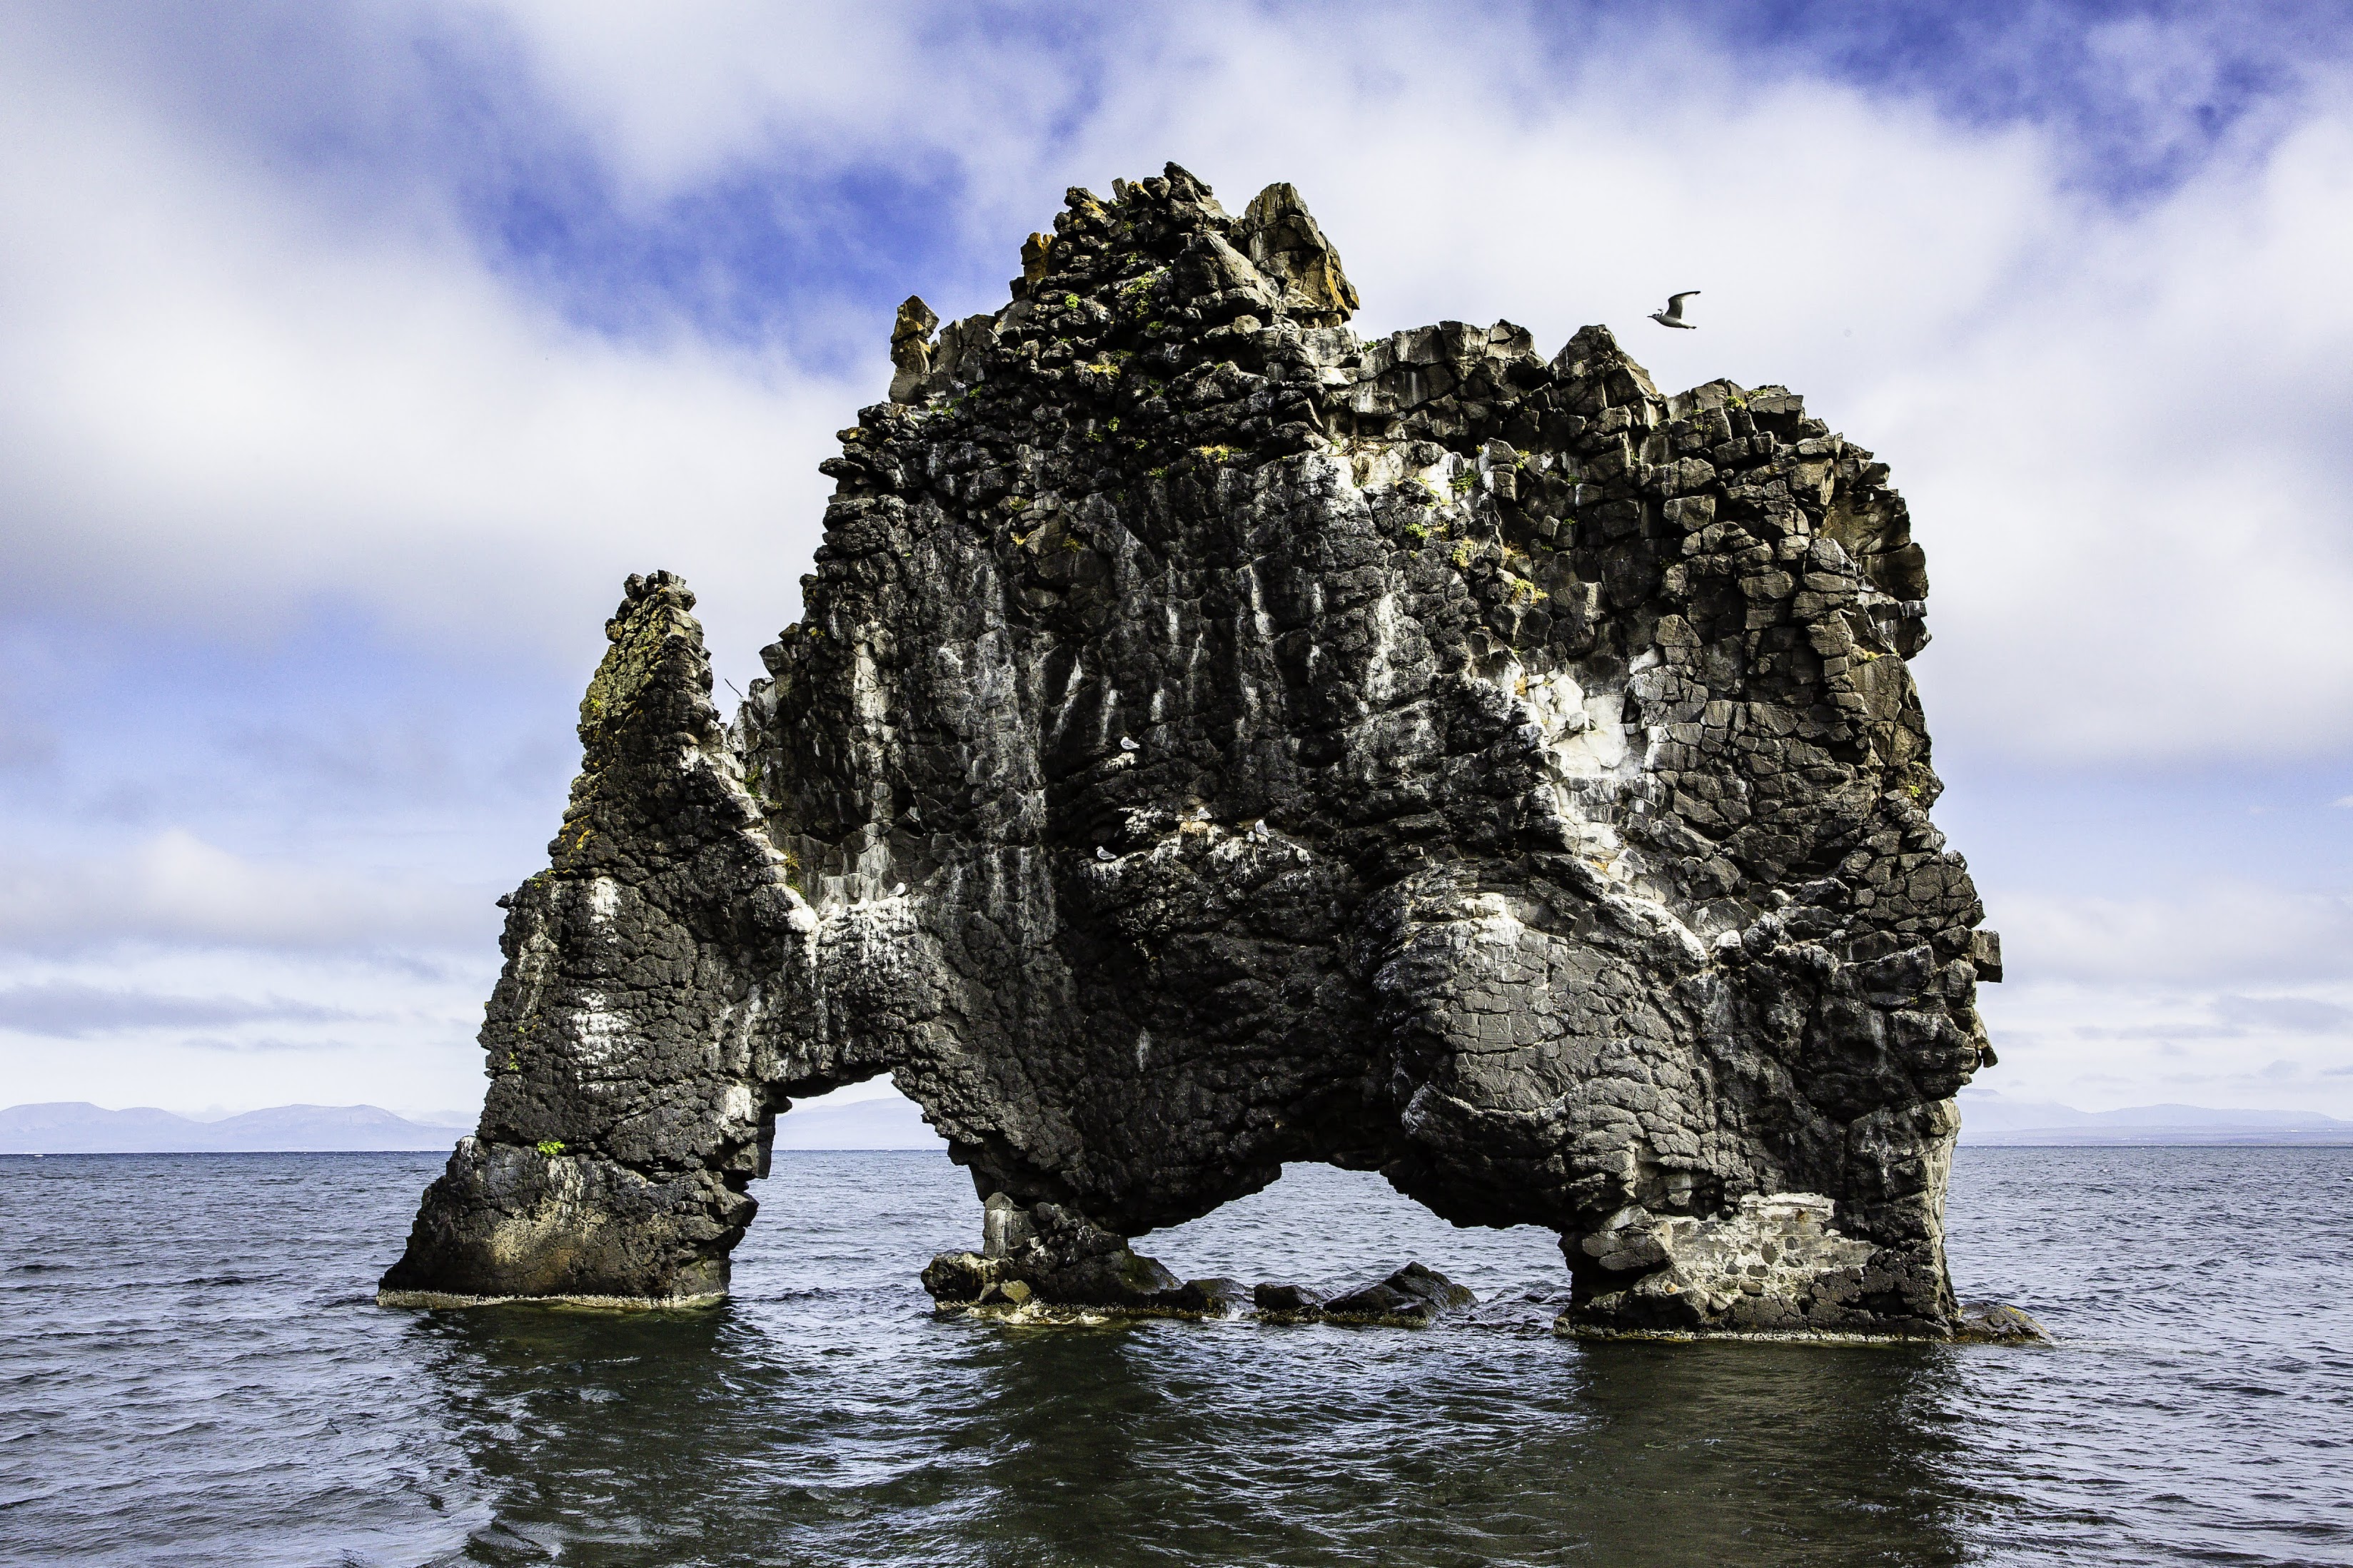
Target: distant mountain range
[(77, 1127), (895, 1122), (1990, 1118)]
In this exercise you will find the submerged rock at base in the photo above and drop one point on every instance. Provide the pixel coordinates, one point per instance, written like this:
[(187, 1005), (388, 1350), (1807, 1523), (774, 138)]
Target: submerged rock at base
[(1214, 739), (1058, 1254), (1998, 1322), (1217, 1297), (1414, 1294), (1410, 1297), (961, 1277), (1775, 1263), (1286, 1300)]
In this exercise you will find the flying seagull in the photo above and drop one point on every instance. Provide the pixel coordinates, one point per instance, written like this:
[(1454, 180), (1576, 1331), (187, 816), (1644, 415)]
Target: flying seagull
[(1673, 316)]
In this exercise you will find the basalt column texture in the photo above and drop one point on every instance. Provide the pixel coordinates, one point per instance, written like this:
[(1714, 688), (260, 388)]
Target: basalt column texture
[(1214, 740)]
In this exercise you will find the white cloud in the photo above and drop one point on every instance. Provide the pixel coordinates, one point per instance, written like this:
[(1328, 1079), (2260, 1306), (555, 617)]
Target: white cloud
[(2101, 1046), (178, 889), (674, 105), (2227, 994), (65, 1010), (2215, 936), (223, 1030), (221, 403)]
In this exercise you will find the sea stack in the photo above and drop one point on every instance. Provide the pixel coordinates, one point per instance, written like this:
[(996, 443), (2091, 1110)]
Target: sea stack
[(1214, 740)]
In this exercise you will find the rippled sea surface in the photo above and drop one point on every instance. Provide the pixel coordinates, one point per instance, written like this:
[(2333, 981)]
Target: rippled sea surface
[(193, 1369)]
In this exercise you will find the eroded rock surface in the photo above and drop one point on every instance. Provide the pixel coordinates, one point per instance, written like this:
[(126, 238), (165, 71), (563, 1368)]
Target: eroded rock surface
[(1215, 740)]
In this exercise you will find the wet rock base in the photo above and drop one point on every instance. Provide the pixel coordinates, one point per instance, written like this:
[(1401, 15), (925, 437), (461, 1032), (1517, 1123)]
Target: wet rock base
[(1998, 1322), (1020, 1272), (1776, 1267)]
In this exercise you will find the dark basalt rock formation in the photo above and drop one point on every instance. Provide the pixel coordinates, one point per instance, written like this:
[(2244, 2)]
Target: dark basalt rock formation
[(1215, 740)]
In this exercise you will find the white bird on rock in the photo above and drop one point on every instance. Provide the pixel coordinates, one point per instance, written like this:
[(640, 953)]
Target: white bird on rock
[(1673, 316)]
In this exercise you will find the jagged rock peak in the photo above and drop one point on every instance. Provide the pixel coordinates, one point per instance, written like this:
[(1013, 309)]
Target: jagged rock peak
[(1281, 239), (1213, 740)]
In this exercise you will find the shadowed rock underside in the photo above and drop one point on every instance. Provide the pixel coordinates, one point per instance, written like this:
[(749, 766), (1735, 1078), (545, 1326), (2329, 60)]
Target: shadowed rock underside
[(1214, 740)]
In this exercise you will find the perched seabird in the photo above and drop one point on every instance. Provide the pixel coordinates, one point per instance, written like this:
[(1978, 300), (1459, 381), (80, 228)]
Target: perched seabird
[(1673, 316), (1102, 853), (1126, 745)]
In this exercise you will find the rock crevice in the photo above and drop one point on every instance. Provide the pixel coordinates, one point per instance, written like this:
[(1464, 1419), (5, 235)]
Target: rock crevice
[(1214, 740)]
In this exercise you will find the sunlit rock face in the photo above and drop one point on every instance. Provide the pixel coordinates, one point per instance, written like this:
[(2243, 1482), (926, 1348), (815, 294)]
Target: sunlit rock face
[(1216, 741)]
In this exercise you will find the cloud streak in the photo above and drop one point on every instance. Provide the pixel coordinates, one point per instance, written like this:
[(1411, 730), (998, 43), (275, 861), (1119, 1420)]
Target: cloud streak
[(176, 889), (65, 1011), (2234, 1018), (222, 404), (2227, 936)]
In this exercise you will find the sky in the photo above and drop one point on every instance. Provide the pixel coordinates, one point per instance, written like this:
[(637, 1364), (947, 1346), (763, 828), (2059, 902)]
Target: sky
[(352, 353)]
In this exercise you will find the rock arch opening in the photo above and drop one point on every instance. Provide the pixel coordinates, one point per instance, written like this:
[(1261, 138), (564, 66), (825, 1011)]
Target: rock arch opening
[(871, 1115), (1323, 1233), (1324, 1226)]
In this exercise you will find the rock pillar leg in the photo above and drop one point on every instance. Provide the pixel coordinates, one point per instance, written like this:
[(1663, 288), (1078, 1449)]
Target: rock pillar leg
[(624, 1116)]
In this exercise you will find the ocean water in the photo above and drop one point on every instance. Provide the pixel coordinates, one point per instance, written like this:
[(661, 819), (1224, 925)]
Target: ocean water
[(193, 1369)]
